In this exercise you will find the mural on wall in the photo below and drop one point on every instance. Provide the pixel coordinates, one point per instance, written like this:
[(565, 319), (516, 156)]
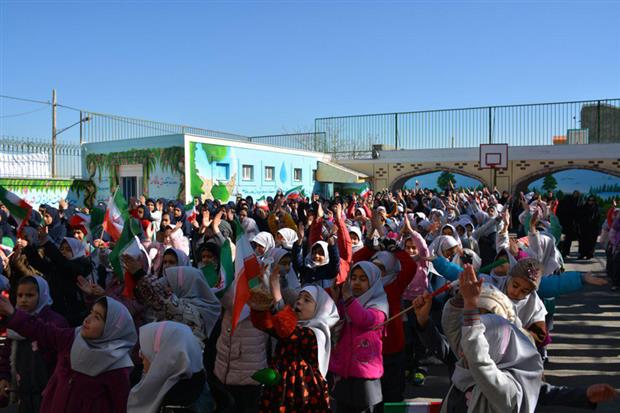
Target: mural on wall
[(162, 169), (602, 185), (214, 171), (43, 191), (439, 180)]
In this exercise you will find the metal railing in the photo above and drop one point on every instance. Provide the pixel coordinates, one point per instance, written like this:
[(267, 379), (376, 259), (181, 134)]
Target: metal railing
[(308, 141), (102, 127), (32, 158), (593, 121)]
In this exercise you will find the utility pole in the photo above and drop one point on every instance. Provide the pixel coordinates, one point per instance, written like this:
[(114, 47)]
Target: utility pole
[(53, 133)]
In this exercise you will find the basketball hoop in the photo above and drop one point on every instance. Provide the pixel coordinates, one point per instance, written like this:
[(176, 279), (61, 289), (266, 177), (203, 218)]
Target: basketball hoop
[(494, 156)]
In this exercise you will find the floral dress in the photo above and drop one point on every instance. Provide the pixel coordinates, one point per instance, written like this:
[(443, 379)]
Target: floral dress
[(302, 388)]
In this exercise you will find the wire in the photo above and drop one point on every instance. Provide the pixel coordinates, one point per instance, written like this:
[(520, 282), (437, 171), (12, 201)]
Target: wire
[(26, 100), (14, 115)]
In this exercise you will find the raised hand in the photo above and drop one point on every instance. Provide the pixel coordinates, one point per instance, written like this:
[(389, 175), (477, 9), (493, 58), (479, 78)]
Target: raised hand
[(470, 287), (6, 308), (422, 307)]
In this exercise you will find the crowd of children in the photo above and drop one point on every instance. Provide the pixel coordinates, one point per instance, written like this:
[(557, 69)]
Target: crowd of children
[(323, 328)]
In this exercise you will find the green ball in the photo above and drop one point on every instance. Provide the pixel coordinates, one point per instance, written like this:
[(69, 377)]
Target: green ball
[(268, 377)]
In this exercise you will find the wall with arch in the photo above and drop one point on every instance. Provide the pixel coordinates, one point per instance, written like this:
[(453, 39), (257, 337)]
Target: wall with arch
[(525, 164)]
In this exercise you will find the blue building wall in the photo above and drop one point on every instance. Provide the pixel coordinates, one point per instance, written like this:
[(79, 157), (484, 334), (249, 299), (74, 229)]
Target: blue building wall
[(206, 167), (215, 169)]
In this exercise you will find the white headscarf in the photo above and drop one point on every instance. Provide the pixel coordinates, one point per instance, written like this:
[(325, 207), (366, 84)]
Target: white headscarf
[(360, 243), (290, 237), (441, 243), (325, 317), (110, 351), (189, 285), (310, 262), (390, 264), (175, 355), (264, 239), (78, 248), (292, 281), (250, 227), (375, 296), (513, 353)]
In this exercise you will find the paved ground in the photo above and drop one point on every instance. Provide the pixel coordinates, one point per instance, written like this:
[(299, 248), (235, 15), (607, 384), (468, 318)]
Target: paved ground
[(586, 342)]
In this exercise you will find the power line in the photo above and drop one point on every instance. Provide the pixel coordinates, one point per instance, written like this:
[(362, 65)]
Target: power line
[(26, 100), (14, 115)]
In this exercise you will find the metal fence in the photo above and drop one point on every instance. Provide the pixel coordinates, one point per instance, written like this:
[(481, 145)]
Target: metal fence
[(595, 121), (32, 158), (308, 141), (100, 127)]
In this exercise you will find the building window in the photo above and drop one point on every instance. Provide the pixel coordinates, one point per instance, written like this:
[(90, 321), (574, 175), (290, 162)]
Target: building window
[(269, 173), (297, 174), (247, 172), (130, 186), (222, 172)]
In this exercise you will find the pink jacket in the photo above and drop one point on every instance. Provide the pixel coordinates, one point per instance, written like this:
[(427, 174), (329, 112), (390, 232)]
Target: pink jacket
[(419, 284), (358, 352)]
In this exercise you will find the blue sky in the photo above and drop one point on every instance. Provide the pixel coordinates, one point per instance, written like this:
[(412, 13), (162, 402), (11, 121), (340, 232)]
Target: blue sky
[(257, 68)]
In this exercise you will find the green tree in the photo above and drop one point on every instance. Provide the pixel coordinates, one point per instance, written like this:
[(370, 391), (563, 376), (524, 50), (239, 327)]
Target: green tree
[(549, 183), (444, 179)]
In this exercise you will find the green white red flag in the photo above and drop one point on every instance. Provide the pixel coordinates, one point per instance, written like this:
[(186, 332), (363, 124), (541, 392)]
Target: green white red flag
[(190, 212), (19, 209), (262, 203), (294, 193), (364, 190), (115, 215), (80, 220), (219, 281), (247, 272)]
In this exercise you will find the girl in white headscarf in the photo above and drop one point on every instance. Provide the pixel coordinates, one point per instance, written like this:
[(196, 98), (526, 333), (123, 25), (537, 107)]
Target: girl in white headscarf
[(285, 238), (173, 372), (357, 361), (25, 359), (92, 373), (262, 243), (303, 350), (289, 281)]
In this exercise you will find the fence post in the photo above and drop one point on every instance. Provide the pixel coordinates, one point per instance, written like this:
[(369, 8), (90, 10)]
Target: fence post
[(598, 122), (396, 131), (490, 124)]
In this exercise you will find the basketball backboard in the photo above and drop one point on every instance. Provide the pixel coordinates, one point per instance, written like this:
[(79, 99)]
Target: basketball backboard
[(494, 156)]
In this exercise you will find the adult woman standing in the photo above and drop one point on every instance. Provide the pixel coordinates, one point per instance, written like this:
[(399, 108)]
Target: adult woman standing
[(589, 228)]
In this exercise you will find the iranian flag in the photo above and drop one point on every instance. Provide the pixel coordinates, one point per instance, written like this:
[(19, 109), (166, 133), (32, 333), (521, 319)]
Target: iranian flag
[(20, 210), (219, 281), (128, 244), (247, 272), (364, 190), (80, 220), (294, 193), (115, 215), (262, 203), (190, 212)]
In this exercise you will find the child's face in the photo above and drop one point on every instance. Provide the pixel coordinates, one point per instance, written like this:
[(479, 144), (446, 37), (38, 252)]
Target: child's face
[(47, 218), (447, 231), (518, 288), (450, 252), (65, 250), (27, 297), (460, 230), (207, 257), (285, 264), (170, 260), (410, 248), (354, 237), (259, 249), (279, 239), (318, 255), (94, 323), (359, 282), (78, 234), (165, 220), (305, 306)]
